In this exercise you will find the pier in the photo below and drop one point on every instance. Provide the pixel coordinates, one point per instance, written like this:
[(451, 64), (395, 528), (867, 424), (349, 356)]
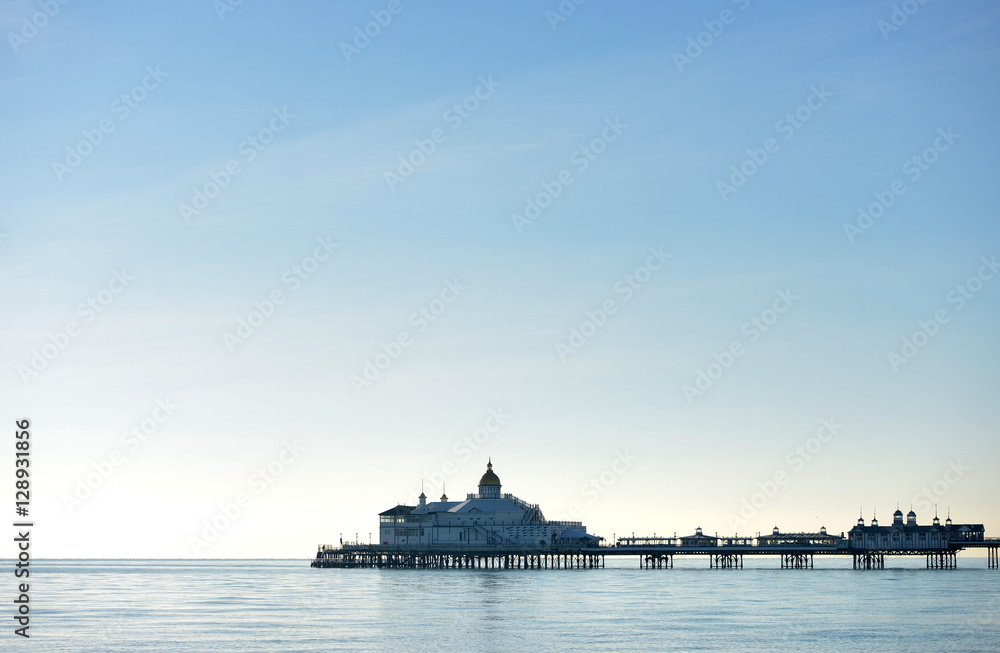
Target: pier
[(492, 529), (651, 553), (381, 557)]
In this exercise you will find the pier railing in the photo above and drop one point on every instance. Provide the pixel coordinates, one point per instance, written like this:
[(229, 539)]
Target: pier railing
[(348, 547)]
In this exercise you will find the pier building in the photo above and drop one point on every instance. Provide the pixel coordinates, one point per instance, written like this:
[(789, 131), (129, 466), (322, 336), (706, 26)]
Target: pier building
[(485, 518), (777, 538), (911, 536), (699, 539)]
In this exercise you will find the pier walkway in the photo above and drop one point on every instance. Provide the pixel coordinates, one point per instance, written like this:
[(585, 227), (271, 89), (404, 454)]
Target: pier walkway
[(652, 553)]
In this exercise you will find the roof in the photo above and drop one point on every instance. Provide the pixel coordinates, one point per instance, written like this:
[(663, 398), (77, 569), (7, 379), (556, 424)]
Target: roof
[(398, 510), (441, 506), (486, 505), (576, 534), (901, 528)]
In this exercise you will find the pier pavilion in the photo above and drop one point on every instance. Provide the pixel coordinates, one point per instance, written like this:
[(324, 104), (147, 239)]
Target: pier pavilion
[(486, 518)]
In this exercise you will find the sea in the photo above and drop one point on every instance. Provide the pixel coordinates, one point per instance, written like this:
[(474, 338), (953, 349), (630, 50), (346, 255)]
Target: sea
[(285, 605)]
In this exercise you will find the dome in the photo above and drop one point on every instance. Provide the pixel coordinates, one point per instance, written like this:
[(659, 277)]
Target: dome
[(898, 513), (911, 514), (489, 478)]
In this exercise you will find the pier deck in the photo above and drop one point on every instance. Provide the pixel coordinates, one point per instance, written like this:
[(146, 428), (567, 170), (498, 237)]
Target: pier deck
[(653, 556)]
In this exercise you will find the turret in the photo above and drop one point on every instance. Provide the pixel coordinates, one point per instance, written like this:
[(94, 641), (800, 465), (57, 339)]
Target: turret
[(489, 484)]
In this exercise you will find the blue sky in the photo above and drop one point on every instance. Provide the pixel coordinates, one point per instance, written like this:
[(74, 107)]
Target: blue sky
[(878, 99)]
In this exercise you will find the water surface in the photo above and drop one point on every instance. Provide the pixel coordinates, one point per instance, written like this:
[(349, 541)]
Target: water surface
[(284, 605)]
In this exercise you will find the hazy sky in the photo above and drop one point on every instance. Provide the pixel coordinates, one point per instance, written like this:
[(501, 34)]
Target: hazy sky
[(261, 268)]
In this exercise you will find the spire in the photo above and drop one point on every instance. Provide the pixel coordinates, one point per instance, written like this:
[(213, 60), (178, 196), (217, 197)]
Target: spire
[(444, 496)]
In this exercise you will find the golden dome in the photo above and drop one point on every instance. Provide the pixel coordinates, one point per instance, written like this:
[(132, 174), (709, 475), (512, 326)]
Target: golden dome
[(489, 478)]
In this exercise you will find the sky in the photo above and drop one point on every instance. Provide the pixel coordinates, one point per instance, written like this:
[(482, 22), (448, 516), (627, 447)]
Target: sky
[(266, 269)]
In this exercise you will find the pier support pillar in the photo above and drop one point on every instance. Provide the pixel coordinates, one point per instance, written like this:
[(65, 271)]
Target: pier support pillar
[(797, 561), (942, 560), (869, 561), (725, 561)]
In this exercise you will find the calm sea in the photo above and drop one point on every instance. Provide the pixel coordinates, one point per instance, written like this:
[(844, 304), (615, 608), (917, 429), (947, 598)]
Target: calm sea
[(284, 605)]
